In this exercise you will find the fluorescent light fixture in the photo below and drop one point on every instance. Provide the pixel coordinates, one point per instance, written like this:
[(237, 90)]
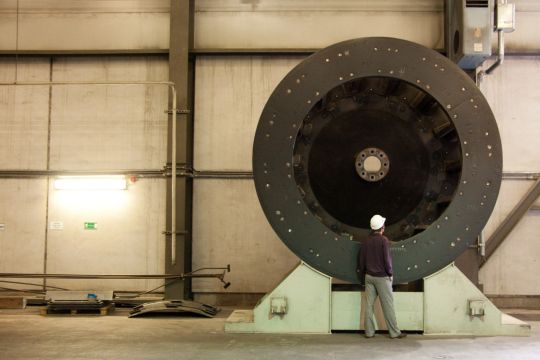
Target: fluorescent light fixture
[(112, 182)]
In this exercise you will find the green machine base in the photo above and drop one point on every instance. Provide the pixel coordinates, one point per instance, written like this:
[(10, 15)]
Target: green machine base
[(304, 303)]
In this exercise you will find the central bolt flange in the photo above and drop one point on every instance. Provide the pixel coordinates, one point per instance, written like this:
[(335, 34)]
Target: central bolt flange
[(372, 164)]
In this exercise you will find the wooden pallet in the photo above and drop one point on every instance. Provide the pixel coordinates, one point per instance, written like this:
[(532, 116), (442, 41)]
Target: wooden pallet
[(104, 310), (12, 302)]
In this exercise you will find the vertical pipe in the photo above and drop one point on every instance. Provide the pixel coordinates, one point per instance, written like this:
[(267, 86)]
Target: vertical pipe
[(500, 44), (48, 181), (500, 57), (173, 179)]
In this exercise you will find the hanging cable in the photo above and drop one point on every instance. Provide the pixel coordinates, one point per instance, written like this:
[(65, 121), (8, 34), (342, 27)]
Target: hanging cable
[(26, 283), (37, 292)]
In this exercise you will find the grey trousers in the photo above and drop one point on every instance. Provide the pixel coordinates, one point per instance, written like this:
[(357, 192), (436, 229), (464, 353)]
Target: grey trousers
[(381, 286)]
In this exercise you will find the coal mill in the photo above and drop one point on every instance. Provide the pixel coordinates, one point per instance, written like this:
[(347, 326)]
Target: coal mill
[(376, 125)]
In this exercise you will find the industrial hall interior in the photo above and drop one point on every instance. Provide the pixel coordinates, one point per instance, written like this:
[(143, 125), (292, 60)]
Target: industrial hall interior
[(258, 179)]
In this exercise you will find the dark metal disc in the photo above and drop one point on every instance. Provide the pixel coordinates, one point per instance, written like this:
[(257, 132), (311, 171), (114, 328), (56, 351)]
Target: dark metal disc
[(416, 106)]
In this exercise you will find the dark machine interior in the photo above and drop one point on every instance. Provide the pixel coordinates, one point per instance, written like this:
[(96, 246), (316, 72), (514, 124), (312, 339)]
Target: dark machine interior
[(378, 141)]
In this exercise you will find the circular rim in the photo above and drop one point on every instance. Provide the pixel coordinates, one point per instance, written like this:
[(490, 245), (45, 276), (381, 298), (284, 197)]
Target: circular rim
[(273, 161)]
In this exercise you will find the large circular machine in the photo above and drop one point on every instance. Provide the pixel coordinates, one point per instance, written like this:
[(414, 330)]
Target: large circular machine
[(377, 126)]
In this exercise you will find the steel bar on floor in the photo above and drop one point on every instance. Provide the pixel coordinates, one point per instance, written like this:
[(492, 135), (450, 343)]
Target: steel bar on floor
[(184, 172), (104, 277)]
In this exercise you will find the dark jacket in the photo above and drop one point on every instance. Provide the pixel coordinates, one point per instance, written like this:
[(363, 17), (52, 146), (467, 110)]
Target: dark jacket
[(374, 257)]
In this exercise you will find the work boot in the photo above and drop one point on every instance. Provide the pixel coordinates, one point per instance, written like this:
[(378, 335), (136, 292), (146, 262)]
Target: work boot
[(400, 336)]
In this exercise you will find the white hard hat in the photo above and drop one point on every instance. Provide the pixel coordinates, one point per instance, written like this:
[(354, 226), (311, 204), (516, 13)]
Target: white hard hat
[(377, 222)]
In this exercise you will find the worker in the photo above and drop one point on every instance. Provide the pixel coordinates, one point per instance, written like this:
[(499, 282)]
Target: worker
[(375, 271)]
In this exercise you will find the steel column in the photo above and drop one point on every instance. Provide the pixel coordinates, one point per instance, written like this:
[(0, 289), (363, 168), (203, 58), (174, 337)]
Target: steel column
[(178, 244)]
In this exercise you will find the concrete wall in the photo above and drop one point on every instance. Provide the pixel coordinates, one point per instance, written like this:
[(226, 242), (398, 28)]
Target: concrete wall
[(22, 242), (23, 138), (514, 96), (228, 223), (83, 127), (140, 25), (93, 25), (314, 24)]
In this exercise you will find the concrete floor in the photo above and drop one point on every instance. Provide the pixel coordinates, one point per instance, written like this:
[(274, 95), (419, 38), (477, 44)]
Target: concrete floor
[(27, 335)]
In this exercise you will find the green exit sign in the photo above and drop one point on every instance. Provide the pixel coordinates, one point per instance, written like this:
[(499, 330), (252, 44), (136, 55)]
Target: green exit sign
[(90, 225)]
